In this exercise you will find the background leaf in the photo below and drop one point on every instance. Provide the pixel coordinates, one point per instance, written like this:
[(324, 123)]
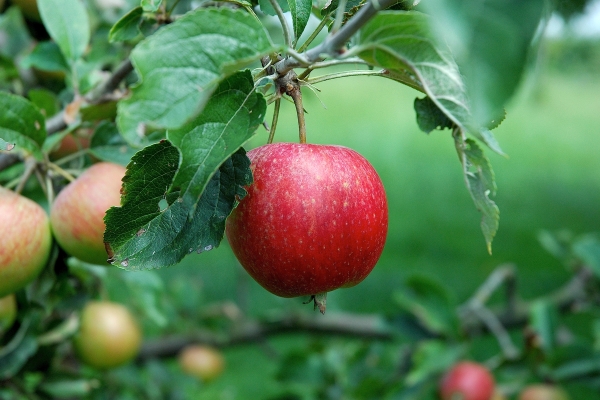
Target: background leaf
[(491, 42), (108, 145), (267, 8), (128, 27), (6, 146), (68, 24), (300, 14), (181, 65), (402, 43), (20, 115)]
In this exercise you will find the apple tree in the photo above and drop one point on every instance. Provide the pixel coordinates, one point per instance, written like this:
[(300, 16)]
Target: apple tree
[(127, 120)]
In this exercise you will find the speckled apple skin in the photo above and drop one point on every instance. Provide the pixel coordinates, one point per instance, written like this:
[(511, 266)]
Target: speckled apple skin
[(77, 215), (25, 241), (314, 220)]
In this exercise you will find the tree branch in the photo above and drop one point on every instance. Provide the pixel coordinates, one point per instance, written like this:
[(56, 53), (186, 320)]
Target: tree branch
[(56, 123), (334, 42), (374, 327), (371, 327)]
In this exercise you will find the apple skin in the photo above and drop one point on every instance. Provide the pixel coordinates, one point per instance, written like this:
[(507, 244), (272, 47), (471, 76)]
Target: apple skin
[(8, 312), (469, 380), (314, 220), (543, 392), (108, 335), (202, 362), (26, 241), (72, 143), (77, 215)]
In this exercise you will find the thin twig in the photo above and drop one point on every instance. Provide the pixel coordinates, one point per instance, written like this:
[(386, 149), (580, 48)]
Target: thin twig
[(274, 121), (287, 37), (315, 33)]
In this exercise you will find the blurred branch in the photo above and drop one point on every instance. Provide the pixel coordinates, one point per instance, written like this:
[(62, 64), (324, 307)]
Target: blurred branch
[(475, 318), (57, 123), (371, 327)]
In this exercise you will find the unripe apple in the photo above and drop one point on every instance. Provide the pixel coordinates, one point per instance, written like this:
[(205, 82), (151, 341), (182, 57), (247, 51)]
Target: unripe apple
[(108, 335), (25, 241), (314, 220), (543, 392), (77, 215), (202, 362), (8, 312), (467, 381)]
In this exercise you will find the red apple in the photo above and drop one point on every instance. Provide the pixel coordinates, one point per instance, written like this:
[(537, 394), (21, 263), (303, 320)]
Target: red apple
[(77, 215), (467, 381), (314, 220), (205, 363), (25, 241), (108, 335), (543, 392)]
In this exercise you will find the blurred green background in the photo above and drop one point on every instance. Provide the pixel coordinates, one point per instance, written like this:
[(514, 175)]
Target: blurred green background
[(549, 181)]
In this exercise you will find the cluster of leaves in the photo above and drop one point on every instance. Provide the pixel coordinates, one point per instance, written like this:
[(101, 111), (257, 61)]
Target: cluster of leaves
[(192, 89)]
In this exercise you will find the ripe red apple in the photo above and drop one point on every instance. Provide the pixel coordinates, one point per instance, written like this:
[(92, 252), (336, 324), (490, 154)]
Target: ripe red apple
[(8, 312), (25, 241), (543, 392), (108, 335), (205, 363), (314, 220), (77, 215), (467, 381)]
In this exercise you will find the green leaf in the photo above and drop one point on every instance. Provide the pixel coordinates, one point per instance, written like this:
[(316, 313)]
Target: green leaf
[(68, 389), (351, 6), (229, 119), (14, 33), (108, 145), (128, 27), (151, 5), (21, 116), (67, 23), (491, 42), (300, 14), (176, 201), (45, 100), (431, 358), (146, 291), (168, 234), (181, 65), (402, 43), (430, 303), (587, 249), (6, 146), (267, 8), (20, 348), (430, 117), (46, 56), (543, 319), (480, 182), (100, 111)]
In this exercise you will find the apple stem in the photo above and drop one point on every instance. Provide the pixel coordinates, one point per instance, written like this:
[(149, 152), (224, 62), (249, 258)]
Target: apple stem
[(290, 85), (296, 95), (274, 122), (320, 301)]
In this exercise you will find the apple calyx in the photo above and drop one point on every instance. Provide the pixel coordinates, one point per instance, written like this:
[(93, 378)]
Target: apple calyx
[(319, 300)]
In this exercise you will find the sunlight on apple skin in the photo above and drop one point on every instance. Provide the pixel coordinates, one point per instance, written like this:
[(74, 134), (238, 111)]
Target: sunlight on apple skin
[(314, 220)]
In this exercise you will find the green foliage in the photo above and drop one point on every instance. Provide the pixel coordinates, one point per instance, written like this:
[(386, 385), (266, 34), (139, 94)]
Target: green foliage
[(68, 24), (179, 122), (491, 44), (181, 65)]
